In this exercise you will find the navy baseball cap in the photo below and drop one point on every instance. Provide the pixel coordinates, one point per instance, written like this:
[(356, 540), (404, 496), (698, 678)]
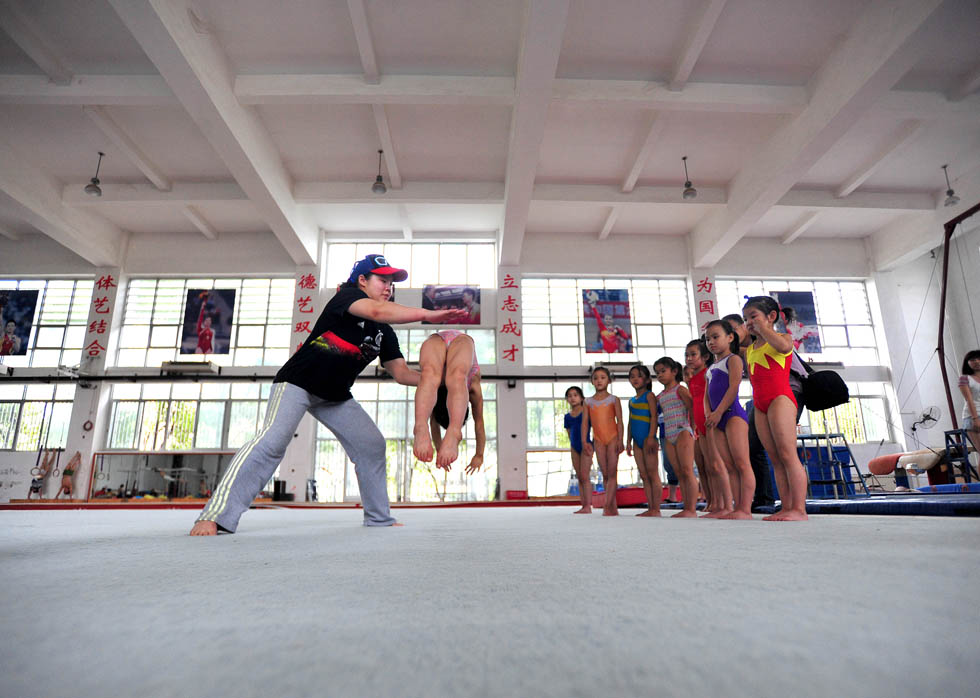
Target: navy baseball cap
[(376, 264)]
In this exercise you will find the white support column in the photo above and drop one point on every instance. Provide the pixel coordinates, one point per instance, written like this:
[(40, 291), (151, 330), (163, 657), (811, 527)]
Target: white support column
[(299, 462), (89, 414), (511, 412)]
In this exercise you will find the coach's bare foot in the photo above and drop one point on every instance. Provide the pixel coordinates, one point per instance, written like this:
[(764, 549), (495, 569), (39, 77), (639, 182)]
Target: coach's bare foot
[(397, 523), (422, 443), (449, 450), (205, 528)]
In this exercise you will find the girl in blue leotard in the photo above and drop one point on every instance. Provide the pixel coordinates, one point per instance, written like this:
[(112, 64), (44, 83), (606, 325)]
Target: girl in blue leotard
[(643, 410), (581, 462)]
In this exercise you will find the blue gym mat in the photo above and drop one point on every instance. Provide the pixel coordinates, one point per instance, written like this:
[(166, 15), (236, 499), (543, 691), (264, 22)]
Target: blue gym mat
[(900, 505)]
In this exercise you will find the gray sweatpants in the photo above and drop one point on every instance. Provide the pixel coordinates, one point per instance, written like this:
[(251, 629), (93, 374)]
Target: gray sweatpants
[(258, 459)]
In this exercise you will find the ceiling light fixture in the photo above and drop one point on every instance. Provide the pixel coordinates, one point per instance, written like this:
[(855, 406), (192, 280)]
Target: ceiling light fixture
[(379, 184), (689, 191), (92, 188), (951, 198)]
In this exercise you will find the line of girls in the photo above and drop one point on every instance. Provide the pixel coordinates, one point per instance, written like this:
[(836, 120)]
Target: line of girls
[(704, 422)]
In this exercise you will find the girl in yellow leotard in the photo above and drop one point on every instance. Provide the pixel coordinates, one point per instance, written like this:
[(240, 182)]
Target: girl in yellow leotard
[(605, 415)]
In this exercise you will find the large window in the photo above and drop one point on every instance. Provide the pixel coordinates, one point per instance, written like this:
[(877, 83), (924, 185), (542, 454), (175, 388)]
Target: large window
[(547, 440), (426, 263), (847, 333), (58, 329), (554, 331), (154, 314), (391, 406), (185, 416), (34, 416)]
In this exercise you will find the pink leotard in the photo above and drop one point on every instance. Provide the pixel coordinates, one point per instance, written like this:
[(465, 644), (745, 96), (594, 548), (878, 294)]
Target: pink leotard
[(448, 336)]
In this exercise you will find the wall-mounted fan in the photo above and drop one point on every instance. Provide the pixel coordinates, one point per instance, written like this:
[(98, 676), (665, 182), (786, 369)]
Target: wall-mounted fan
[(927, 419)]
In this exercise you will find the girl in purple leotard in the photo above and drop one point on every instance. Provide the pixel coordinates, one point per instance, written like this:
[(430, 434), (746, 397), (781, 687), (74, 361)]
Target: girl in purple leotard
[(725, 420)]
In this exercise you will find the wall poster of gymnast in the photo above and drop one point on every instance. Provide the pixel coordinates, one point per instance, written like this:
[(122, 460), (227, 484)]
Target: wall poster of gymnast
[(17, 316), (607, 321), (207, 321), (448, 297), (798, 319)]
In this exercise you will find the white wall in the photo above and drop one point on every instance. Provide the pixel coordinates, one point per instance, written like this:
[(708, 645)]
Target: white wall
[(39, 255), (909, 297), (190, 253)]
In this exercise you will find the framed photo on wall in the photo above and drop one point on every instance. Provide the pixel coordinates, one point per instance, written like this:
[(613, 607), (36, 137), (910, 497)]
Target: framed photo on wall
[(17, 317), (445, 297), (607, 321), (798, 318), (207, 321)]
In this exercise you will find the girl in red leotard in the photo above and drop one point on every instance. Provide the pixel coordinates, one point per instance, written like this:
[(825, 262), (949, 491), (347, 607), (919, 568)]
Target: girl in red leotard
[(610, 335), (768, 358), (714, 479), (205, 335)]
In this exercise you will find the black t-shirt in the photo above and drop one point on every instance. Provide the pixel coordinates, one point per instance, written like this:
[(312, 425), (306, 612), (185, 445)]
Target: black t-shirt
[(338, 349)]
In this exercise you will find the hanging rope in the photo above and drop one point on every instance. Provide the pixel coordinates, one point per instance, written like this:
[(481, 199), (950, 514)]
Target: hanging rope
[(915, 332), (924, 369), (966, 288)]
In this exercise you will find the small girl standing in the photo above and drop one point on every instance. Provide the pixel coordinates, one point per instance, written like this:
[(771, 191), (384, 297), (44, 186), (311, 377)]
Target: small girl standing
[(643, 408), (769, 358), (725, 420), (675, 402), (714, 479), (580, 462), (605, 415)]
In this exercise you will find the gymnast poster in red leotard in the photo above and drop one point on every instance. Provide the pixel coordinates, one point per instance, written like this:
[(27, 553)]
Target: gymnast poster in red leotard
[(207, 321), (607, 321), (16, 319), (798, 319)]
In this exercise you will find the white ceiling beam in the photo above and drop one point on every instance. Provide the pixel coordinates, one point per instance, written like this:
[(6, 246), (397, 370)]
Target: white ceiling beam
[(544, 27), (710, 97), (694, 43), (189, 58), (801, 227), (410, 193), (36, 198), (908, 104), (967, 85), (390, 89), (144, 194), (398, 235), (200, 222), (654, 129), (907, 131), (610, 222), (9, 234), (365, 46), (882, 45), (909, 237), (114, 131), (114, 90), (359, 192), (25, 33), (406, 224), (384, 136)]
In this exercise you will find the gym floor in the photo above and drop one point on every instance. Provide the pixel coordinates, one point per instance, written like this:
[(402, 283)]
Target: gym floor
[(487, 602)]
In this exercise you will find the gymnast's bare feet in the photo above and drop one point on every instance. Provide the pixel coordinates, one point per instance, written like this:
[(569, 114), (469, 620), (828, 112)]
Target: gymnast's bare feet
[(205, 528), (738, 515), (449, 450), (650, 512), (684, 514), (422, 445), (583, 510)]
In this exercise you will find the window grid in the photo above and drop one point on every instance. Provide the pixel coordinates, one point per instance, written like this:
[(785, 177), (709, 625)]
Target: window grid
[(153, 318), (185, 416), (35, 416), (472, 264), (847, 332), (554, 328), (391, 406), (58, 328)]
